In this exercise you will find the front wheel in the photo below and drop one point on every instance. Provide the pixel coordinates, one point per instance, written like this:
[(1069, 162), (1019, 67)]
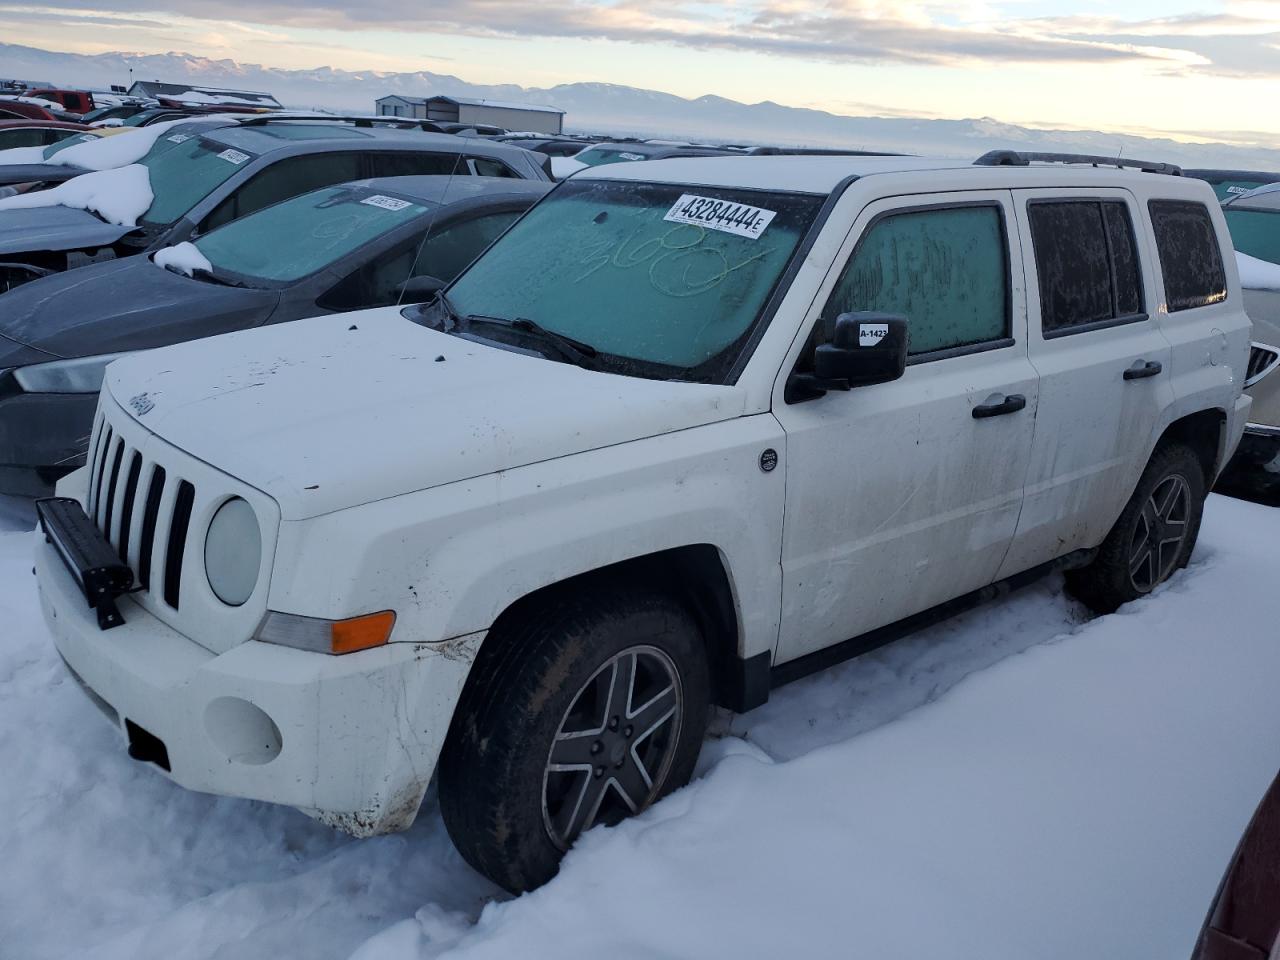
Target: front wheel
[(1154, 536), (585, 711)]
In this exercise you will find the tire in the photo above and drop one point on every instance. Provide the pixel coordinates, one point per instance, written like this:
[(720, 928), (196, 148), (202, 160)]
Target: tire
[(1168, 500), (553, 679)]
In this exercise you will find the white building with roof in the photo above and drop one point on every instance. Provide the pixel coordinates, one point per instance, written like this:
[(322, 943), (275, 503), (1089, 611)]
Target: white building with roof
[(499, 113)]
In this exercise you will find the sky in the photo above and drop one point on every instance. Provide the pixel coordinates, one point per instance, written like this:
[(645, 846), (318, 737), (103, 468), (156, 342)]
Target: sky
[(1192, 68)]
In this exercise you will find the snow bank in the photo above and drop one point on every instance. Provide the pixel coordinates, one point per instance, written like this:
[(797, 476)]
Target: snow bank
[(23, 155), (1078, 799), (118, 196), (1257, 274), (184, 257)]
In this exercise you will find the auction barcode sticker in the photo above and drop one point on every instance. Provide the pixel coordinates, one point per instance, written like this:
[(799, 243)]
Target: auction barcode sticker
[(386, 203), (179, 138), (233, 156), (724, 215)]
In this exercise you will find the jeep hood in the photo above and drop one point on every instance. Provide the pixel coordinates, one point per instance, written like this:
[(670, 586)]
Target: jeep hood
[(364, 406), (37, 229)]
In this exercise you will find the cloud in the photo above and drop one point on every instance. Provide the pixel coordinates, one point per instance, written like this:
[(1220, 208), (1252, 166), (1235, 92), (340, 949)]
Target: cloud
[(1241, 39)]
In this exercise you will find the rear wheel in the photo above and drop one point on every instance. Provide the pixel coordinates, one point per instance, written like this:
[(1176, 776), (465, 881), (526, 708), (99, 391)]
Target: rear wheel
[(1154, 536), (582, 712)]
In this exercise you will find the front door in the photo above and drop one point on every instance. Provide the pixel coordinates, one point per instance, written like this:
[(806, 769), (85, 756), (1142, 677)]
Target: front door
[(903, 495)]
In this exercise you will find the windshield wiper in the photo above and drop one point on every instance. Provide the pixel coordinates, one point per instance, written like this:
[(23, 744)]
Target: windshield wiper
[(208, 276), (576, 352)]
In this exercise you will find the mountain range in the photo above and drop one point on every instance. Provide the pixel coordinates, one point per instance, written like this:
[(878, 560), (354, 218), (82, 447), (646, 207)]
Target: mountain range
[(616, 110)]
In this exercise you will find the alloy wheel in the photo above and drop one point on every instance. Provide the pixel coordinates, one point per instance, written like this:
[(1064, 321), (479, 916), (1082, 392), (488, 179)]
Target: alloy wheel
[(615, 744), (1160, 533)]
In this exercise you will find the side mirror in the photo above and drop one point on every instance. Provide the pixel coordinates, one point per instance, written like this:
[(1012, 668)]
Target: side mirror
[(865, 348), (421, 288)]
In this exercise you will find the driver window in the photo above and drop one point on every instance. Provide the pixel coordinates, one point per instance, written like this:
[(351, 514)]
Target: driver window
[(945, 270)]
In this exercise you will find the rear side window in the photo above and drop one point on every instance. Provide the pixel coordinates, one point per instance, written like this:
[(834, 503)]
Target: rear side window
[(284, 179), (1086, 262), (944, 269), (1189, 255), (416, 164), (491, 168)]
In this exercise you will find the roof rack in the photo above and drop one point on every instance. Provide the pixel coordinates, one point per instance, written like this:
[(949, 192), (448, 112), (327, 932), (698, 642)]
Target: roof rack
[(402, 122), (1016, 158)]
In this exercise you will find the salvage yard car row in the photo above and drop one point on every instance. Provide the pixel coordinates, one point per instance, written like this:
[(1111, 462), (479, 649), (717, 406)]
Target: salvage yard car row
[(504, 483)]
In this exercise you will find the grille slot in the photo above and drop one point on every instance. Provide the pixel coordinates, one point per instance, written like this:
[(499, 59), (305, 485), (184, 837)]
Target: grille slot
[(1262, 360), (127, 505), (177, 543), (95, 508), (150, 514), (111, 488)]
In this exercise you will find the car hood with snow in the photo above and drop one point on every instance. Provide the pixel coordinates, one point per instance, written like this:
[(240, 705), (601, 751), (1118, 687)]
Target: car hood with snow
[(55, 229), (370, 405), (66, 314)]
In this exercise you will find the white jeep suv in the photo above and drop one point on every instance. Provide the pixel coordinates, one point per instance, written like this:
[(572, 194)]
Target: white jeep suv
[(691, 429)]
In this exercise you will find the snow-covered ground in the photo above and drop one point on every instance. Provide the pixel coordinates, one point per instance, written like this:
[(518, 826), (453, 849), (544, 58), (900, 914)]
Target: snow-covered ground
[(1019, 783)]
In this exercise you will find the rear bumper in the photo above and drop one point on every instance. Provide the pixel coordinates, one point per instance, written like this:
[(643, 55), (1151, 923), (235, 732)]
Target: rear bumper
[(352, 740)]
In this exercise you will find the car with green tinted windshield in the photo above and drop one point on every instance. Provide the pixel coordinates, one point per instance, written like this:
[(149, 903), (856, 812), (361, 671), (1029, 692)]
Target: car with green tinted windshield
[(201, 179), (370, 243)]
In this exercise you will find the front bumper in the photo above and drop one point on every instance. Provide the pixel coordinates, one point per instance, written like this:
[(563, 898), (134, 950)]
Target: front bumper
[(352, 740)]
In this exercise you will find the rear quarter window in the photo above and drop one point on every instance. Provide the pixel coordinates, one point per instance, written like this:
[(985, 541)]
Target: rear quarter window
[(1190, 258)]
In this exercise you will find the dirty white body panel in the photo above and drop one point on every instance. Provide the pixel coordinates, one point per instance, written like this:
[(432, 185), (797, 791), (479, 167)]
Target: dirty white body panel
[(447, 489)]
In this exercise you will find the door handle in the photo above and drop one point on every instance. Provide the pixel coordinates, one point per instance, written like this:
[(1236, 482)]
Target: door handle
[(1010, 404), (1142, 369)]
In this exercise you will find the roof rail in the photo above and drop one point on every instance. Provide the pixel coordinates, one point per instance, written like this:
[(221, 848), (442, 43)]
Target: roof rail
[(276, 117), (1016, 158)]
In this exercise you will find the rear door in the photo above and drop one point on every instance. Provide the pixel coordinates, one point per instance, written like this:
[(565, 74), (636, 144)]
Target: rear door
[(1103, 364), (903, 495)]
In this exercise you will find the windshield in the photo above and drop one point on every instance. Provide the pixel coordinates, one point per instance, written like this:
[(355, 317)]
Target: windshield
[(1255, 232), (184, 169), (664, 281), (53, 148), (307, 233), (597, 156)]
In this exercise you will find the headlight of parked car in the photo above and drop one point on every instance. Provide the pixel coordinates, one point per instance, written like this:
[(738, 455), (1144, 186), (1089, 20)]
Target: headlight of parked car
[(77, 375), (233, 552)]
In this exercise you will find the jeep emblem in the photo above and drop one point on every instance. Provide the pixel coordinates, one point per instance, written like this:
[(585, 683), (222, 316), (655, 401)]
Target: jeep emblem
[(141, 404)]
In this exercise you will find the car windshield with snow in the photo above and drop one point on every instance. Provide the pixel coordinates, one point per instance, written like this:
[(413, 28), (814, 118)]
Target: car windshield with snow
[(347, 247), (188, 183), (656, 281), (690, 430)]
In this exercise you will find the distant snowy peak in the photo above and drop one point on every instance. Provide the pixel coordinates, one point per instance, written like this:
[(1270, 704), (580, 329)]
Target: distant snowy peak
[(619, 109)]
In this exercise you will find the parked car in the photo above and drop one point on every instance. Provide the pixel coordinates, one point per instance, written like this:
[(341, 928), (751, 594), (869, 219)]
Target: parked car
[(551, 146), (210, 178), (1230, 183), (345, 247), (14, 108), (1244, 918), (679, 434), (73, 101), (120, 112), (1253, 219), (39, 133), (629, 152)]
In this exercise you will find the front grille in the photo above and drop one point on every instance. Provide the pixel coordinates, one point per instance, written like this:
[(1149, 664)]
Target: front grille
[(128, 494), (1262, 360)]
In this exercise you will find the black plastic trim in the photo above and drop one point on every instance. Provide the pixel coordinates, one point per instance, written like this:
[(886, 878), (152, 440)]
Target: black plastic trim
[(1094, 325)]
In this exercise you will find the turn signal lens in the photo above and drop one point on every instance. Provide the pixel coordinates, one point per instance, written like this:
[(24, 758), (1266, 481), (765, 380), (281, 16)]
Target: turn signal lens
[(361, 633), (326, 636)]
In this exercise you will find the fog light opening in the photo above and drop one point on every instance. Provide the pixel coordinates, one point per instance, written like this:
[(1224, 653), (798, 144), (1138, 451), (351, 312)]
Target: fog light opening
[(241, 731)]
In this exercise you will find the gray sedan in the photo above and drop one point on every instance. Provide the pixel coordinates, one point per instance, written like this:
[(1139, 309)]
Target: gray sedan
[(347, 247)]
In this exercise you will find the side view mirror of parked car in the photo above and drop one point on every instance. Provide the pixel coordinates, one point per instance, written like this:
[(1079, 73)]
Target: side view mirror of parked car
[(419, 289), (865, 348)]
